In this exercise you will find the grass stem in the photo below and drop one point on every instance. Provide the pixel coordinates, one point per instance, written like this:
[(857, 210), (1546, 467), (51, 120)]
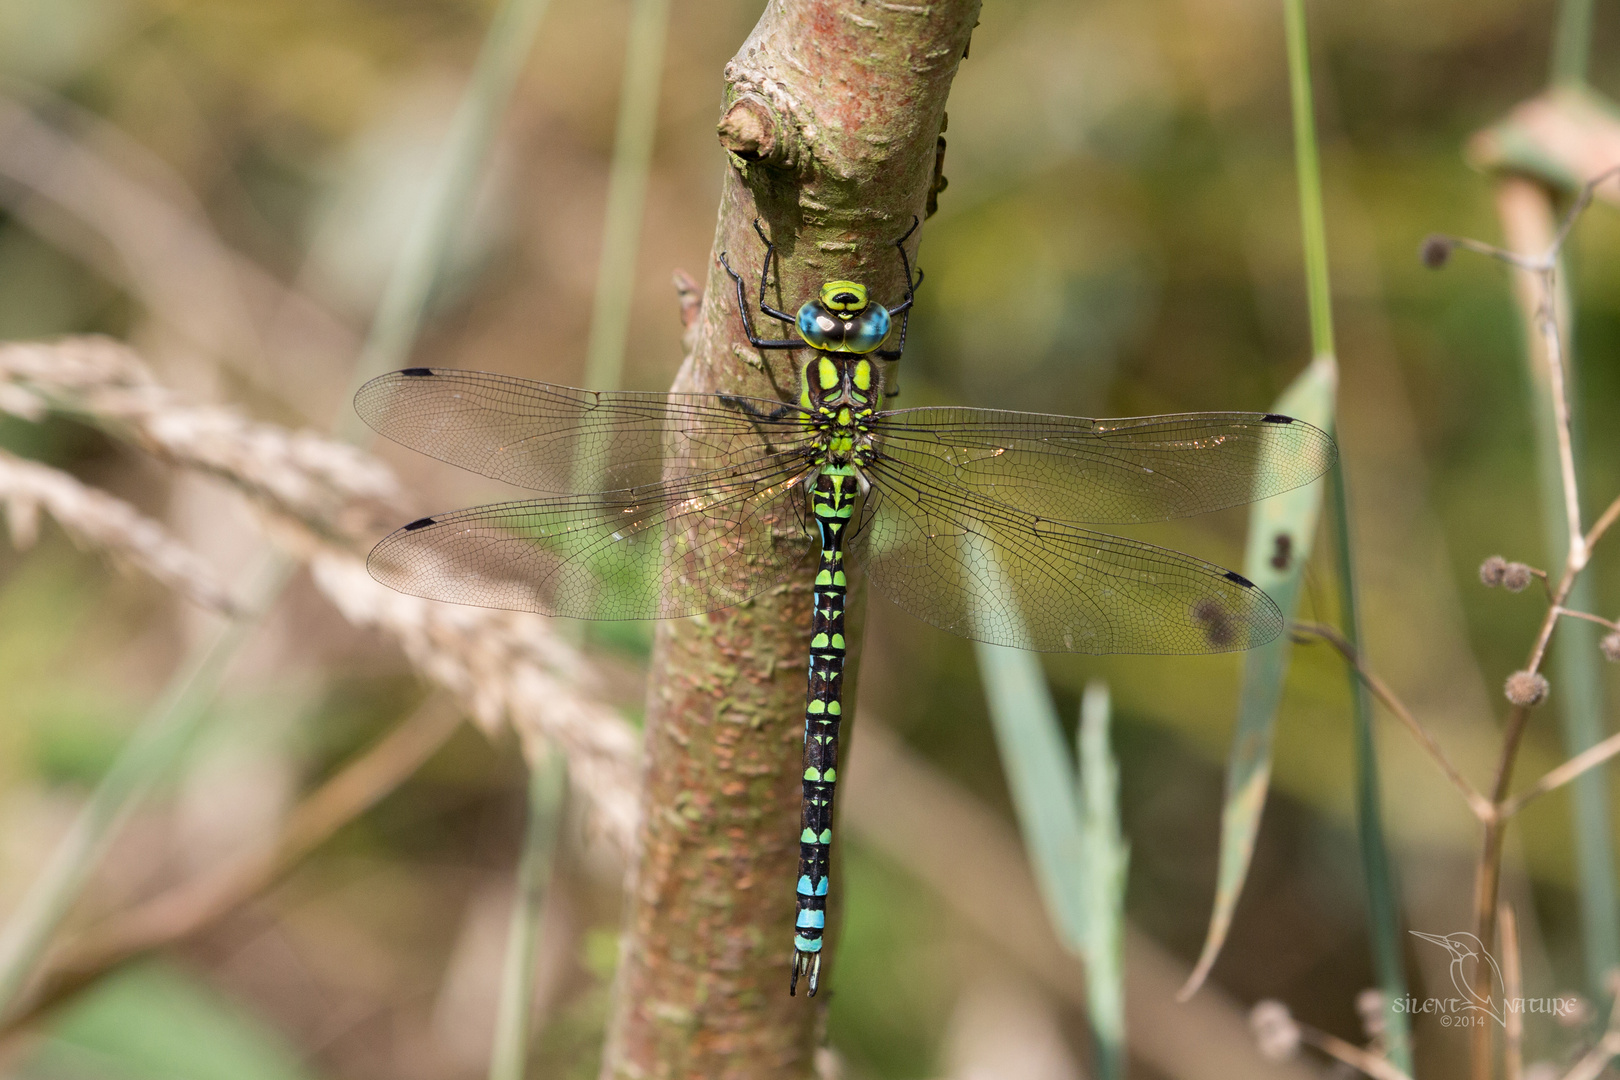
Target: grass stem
[(627, 193), (1106, 861), (1308, 175), (1383, 910), (151, 752), (547, 784), (429, 234), (1383, 900), (1572, 42)]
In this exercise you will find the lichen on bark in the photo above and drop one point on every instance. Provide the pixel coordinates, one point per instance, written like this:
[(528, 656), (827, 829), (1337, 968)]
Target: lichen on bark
[(831, 123)]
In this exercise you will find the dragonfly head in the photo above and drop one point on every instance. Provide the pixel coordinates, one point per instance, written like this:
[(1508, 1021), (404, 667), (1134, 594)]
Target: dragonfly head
[(843, 319), (845, 298)]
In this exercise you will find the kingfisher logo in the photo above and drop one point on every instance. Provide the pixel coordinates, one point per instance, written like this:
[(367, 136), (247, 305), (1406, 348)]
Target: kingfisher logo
[(1481, 992)]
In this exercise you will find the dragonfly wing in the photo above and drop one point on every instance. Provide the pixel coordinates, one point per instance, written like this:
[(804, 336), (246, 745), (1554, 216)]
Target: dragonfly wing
[(681, 547), (1108, 471), (990, 572), (559, 439)]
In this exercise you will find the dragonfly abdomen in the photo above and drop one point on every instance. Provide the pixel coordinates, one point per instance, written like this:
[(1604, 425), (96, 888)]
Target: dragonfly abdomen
[(832, 501)]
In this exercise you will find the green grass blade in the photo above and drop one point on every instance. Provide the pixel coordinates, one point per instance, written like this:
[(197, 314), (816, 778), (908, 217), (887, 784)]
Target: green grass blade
[(1308, 176), (1036, 761), (1579, 685), (627, 193), (548, 781), (507, 44), (150, 752), (167, 729), (154, 1022), (1572, 42), (1383, 902), (1281, 532), (1383, 910), (1106, 857)]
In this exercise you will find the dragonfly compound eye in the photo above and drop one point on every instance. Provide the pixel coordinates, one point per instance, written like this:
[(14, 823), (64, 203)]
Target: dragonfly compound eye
[(867, 331), (819, 328)]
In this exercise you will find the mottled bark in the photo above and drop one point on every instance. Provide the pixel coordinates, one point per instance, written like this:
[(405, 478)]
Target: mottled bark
[(831, 125)]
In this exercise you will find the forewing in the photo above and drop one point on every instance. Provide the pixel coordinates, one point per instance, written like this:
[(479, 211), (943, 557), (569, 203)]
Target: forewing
[(993, 573), (681, 547), (1107, 471), (559, 439)]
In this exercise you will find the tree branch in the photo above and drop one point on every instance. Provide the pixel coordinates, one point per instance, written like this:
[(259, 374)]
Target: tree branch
[(832, 116)]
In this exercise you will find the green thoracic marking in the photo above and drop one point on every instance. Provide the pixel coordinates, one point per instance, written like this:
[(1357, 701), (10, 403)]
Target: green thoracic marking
[(828, 373)]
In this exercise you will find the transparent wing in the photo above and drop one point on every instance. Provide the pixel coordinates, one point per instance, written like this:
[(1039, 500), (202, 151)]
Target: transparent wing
[(990, 572), (1107, 471), (681, 547), (559, 439)]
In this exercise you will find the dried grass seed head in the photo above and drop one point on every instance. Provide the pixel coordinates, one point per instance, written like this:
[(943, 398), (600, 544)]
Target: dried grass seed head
[(1611, 646), (1525, 688), (1492, 570), (1275, 1031), (1516, 577)]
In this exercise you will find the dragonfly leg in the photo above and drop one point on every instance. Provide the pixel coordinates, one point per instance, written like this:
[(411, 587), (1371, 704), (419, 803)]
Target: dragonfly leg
[(903, 309), (755, 411), (748, 320), (764, 275)]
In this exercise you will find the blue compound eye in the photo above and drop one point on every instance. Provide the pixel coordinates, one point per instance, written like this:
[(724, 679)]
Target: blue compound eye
[(867, 332), (816, 326)]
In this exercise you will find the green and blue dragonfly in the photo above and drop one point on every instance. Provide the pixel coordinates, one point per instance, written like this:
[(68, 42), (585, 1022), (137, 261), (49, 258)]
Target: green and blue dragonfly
[(667, 505)]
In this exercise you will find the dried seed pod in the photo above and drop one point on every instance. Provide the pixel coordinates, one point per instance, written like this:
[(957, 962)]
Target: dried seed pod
[(1516, 577), (1492, 570), (1275, 1031), (1436, 251), (1526, 688), (1611, 646)]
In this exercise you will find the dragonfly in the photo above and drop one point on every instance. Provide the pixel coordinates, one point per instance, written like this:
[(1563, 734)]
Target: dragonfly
[(660, 506)]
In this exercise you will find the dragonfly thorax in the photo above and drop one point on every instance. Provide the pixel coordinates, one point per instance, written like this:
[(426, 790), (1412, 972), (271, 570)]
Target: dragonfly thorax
[(840, 392)]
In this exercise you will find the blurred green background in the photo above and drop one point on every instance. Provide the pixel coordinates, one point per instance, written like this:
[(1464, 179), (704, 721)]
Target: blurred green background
[(1120, 237)]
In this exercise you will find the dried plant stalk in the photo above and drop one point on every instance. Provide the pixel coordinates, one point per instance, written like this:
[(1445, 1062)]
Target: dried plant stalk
[(108, 524), (327, 485), (505, 667)]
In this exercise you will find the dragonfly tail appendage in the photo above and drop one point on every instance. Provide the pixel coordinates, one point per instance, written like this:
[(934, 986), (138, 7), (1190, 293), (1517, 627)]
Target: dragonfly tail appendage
[(832, 500)]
